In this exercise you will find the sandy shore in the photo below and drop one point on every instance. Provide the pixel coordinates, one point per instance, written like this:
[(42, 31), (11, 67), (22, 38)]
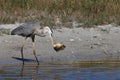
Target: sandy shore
[(81, 44)]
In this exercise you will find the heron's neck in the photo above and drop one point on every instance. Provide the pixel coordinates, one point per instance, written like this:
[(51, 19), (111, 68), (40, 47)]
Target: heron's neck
[(52, 40)]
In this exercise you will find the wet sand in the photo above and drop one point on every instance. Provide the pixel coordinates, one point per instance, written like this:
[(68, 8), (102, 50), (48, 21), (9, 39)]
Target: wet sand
[(81, 44)]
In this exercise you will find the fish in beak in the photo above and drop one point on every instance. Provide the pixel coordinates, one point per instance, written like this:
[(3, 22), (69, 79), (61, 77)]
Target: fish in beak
[(57, 46)]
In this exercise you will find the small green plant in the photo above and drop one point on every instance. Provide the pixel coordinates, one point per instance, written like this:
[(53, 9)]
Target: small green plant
[(4, 31)]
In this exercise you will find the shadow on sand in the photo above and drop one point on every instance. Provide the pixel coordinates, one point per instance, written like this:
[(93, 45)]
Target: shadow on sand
[(25, 60)]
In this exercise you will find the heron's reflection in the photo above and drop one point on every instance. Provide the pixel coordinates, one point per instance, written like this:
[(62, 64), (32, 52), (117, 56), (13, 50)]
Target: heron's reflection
[(21, 71), (34, 72), (24, 71)]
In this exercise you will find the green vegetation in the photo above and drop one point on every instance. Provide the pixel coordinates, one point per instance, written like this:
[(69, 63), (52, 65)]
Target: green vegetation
[(88, 12), (4, 31)]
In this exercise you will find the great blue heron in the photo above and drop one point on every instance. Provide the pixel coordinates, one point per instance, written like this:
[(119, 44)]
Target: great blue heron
[(30, 30)]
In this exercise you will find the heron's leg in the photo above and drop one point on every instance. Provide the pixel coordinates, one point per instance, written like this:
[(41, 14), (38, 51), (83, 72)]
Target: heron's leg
[(22, 49), (33, 46)]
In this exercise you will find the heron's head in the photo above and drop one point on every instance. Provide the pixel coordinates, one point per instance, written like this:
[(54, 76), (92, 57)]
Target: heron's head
[(56, 46), (47, 30)]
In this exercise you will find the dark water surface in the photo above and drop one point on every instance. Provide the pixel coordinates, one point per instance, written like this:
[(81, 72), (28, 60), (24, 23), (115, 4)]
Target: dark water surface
[(77, 70)]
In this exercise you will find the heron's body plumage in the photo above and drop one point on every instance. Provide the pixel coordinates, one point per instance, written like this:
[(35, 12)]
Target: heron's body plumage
[(25, 29)]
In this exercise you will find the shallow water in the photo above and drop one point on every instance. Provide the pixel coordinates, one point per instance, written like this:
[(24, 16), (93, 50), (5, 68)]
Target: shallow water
[(77, 70)]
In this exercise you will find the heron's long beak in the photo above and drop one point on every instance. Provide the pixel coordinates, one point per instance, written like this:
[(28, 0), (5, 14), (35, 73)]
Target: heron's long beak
[(52, 40)]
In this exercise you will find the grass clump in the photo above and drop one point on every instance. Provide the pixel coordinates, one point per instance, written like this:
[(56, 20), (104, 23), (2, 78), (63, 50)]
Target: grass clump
[(4, 31), (88, 12)]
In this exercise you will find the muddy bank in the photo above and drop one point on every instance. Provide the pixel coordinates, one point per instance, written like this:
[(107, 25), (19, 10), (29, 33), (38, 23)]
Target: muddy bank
[(81, 44)]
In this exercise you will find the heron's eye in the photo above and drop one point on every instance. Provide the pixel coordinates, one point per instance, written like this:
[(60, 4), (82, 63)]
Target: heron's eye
[(51, 30)]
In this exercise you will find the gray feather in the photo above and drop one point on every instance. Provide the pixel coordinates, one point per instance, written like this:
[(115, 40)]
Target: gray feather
[(25, 29)]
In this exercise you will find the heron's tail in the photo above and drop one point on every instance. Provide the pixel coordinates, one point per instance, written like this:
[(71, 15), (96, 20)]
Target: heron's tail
[(13, 32)]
